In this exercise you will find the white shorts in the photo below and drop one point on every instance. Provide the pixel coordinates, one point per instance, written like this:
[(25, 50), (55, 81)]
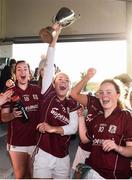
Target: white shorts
[(92, 174), (26, 149), (48, 166), (80, 157)]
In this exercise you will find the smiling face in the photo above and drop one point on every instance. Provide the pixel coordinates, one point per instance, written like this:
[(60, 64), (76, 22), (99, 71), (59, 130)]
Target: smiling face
[(108, 95), (22, 73), (62, 85)]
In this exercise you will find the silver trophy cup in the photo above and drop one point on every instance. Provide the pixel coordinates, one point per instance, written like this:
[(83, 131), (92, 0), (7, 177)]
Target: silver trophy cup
[(64, 17)]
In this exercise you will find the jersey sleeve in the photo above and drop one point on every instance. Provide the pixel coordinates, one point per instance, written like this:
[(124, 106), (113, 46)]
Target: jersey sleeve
[(93, 103), (72, 127), (128, 126), (73, 104), (49, 70)]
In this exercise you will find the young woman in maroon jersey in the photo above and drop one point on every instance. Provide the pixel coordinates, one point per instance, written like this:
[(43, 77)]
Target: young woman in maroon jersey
[(58, 121), (52, 159), (22, 135), (109, 130)]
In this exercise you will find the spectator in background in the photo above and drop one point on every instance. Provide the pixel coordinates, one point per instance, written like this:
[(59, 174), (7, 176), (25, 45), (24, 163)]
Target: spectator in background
[(124, 78), (39, 71), (41, 67), (126, 81), (126, 90), (36, 74), (35, 77), (129, 99), (56, 68), (7, 73)]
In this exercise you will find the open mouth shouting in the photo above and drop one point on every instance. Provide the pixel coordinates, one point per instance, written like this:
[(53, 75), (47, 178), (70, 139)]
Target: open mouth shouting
[(105, 102), (62, 87), (23, 79)]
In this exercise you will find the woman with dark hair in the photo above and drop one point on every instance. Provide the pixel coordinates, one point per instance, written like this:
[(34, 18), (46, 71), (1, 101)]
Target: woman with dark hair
[(22, 131), (109, 130)]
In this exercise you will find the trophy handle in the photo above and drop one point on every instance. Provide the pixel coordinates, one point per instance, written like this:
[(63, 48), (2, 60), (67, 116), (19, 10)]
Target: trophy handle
[(77, 16), (65, 17)]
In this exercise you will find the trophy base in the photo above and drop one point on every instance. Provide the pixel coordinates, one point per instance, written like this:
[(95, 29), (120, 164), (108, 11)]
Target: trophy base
[(46, 34)]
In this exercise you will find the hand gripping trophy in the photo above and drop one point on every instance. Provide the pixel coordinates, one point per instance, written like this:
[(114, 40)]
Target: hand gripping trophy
[(64, 17)]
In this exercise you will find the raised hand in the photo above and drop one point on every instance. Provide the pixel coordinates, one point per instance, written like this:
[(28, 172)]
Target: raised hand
[(4, 97), (91, 72), (57, 30), (10, 83)]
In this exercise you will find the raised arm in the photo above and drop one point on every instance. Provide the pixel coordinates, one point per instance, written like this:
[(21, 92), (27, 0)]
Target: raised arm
[(49, 67), (76, 90), (82, 127)]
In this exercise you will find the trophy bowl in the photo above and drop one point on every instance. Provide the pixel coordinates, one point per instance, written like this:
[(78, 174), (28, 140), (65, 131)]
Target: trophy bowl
[(64, 17)]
